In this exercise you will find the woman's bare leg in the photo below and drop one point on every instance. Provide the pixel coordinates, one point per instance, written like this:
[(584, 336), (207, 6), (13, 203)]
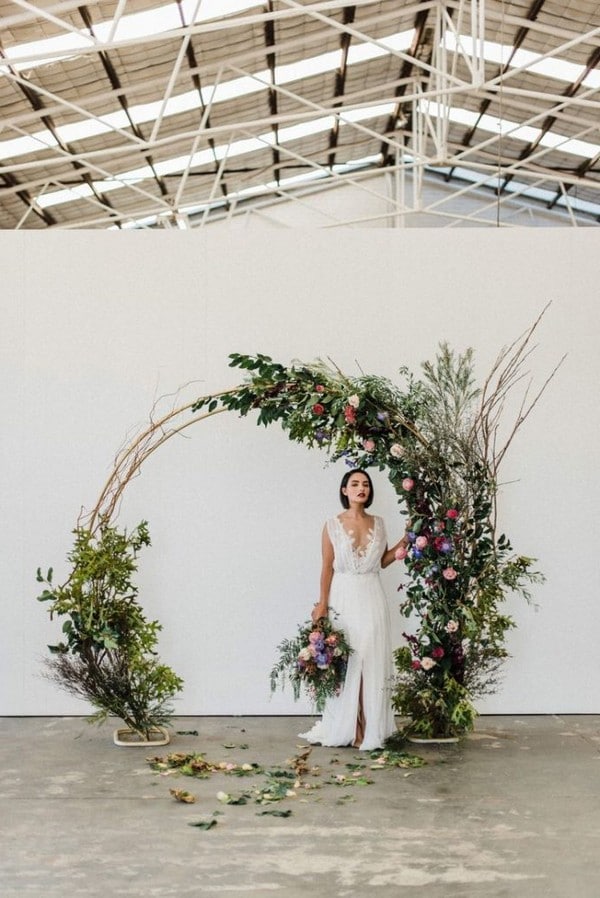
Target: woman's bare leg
[(360, 720)]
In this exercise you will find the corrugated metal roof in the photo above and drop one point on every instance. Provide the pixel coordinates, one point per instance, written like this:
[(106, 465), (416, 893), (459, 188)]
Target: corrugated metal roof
[(130, 124)]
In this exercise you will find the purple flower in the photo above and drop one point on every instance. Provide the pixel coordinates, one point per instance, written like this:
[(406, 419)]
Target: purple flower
[(417, 553), (446, 545), (412, 536)]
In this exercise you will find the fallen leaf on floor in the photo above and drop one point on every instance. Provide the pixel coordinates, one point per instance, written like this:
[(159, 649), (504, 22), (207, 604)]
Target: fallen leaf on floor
[(299, 763), (275, 813), (389, 758), (186, 732), (226, 798), (183, 796)]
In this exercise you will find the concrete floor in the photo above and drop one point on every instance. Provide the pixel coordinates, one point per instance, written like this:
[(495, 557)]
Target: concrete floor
[(512, 812)]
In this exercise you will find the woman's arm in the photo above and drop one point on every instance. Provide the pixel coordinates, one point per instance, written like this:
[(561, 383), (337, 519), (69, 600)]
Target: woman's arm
[(390, 554), (322, 606)]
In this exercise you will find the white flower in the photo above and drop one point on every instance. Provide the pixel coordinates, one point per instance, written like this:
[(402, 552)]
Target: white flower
[(451, 626), (397, 450), (425, 640), (427, 663), (354, 400), (305, 654)]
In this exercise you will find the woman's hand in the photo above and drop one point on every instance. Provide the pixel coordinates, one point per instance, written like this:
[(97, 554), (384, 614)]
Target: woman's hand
[(320, 610)]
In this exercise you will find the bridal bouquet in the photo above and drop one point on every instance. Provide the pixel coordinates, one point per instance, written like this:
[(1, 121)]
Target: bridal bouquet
[(316, 659)]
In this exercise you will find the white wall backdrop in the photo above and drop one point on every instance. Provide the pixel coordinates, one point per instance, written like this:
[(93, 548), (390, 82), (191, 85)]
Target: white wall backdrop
[(96, 326)]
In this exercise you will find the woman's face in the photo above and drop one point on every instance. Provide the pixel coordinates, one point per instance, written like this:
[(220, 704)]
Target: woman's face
[(357, 489)]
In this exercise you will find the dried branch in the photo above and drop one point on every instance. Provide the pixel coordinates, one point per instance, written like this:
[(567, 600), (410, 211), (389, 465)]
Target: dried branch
[(131, 457)]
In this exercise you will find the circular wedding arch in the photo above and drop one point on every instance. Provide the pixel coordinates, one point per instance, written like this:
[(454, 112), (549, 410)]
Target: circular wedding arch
[(438, 441)]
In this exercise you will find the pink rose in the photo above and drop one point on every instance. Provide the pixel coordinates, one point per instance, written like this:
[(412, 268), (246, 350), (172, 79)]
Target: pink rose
[(320, 388), (400, 553), (452, 513), (416, 665), (396, 450), (427, 663), (438, 652), (368, 445), (354, 401), (318, 409), (315, 636), (451, 626), (449, 573), (407, 484), (421, 542), (350, 415)]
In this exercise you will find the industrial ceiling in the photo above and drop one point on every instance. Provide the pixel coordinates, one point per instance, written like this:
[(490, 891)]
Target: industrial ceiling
[(130, 113)]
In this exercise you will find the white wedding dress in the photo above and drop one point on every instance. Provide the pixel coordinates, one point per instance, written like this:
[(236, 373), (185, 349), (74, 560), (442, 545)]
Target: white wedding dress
[(358, 606)]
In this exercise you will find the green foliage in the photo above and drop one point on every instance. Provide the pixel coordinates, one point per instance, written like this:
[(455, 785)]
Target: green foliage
[(434, 437), (108, 651)]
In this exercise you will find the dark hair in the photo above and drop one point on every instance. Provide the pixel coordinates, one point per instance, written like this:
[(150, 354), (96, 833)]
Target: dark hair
[(344, 484)]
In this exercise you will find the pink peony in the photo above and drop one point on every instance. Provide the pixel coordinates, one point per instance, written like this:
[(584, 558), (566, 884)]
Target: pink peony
[(452, 513), (407, 484), (354, 401), (400, 553), (438, 652), (318, 409), (449, 573), (315, 636), (451, 626), (421, 542), (369, 445), (397, 450), (427, 663)]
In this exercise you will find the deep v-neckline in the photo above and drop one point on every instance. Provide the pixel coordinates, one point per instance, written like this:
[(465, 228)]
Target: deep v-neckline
[(359, 550)]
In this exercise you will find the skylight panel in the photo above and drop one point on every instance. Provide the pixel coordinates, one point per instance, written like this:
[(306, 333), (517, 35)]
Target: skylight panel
[(304, 68), (189, 101), (22, 146), (506, 128), (129, 27), (207, 156), (365, 51), (550, 66), (50, 49)]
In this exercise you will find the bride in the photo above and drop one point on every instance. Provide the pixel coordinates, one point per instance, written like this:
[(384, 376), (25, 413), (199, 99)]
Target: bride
[(354, 550)]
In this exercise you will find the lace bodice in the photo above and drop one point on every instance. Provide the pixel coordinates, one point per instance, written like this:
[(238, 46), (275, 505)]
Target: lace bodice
[(350, 559)]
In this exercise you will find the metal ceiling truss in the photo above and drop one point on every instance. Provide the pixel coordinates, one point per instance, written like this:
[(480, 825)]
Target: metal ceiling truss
[(92, 155)]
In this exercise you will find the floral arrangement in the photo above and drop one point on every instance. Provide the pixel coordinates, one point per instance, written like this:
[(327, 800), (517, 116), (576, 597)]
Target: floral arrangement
[(316, 659), (440, 441)]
